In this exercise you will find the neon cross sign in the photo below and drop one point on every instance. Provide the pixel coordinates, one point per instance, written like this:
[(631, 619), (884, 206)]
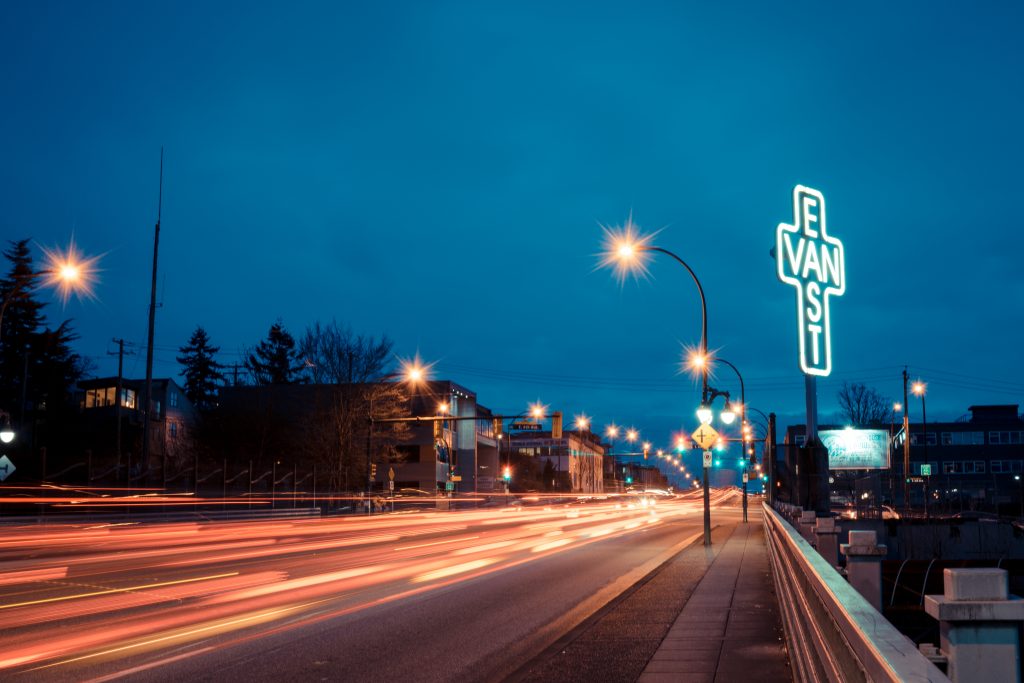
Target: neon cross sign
[(812, 261)]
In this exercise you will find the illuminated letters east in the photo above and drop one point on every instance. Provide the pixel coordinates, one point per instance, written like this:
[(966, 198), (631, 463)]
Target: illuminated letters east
[(812, 261)]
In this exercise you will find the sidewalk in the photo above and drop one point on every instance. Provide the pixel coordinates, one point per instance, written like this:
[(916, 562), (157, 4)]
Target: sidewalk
[(729, 629)]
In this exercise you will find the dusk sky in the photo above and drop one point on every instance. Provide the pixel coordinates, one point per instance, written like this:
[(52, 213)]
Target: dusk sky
[(440, 172)]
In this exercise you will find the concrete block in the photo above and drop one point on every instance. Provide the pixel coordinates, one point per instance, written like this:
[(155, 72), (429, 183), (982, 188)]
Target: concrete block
[(975, 584), (825, 525), (807, 517), (859, 538)]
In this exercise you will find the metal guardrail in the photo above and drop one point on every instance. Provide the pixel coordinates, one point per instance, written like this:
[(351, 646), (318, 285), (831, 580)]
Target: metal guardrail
[(833, 633)]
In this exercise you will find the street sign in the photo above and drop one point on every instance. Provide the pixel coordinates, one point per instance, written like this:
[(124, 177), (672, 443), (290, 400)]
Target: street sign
[(812, 261), (6, 467), (926, 470), (449, 486), (526, 426), (391, 474), (707, 458), (456, 477), (391, 485), (705, 437)]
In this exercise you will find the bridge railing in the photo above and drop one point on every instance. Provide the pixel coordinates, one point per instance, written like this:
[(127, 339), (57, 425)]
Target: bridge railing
[(833, 633)]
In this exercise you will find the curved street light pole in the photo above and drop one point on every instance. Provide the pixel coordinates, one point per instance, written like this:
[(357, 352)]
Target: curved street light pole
[(704, 371), (743, 430)]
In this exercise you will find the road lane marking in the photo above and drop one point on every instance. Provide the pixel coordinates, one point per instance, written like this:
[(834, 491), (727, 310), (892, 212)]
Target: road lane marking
[(111, 591)]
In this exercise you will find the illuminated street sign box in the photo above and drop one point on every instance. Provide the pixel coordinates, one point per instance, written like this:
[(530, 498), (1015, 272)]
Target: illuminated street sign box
[(812, 261), (856, 449)]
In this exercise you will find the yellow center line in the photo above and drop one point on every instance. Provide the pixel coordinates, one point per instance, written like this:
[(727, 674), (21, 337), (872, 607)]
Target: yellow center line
[(118, 590)]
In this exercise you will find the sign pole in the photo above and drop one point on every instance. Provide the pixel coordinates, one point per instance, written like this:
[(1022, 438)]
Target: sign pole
[(811, 260), (707, 504)]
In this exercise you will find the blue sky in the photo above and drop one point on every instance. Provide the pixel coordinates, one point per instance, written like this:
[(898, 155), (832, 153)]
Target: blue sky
[(439, 172)]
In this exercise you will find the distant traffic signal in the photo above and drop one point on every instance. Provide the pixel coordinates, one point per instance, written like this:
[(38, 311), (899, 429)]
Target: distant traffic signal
[(507, 475), (556, 425), (497, 426), (373, 470)]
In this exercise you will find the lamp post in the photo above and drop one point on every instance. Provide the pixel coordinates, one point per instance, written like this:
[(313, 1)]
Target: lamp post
[(612, 431), (413, 372), (920, 389), (896, 408), (743, 425), (627, 251), (582, 424)]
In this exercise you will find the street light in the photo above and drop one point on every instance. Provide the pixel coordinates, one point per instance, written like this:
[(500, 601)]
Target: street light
[(412, 372), (919, 388), (6, 431), (68, 271)]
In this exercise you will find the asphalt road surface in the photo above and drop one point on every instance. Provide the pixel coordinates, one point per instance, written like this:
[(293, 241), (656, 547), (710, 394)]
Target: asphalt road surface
[(425, 596)]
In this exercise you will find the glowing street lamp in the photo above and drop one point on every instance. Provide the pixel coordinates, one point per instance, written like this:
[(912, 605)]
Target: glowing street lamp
[(628, 252), (6, 431), (413, 373), (67, 271), (919, 388)]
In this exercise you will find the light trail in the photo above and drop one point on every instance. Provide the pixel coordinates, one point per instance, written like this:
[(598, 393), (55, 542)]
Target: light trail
[(142, 592)]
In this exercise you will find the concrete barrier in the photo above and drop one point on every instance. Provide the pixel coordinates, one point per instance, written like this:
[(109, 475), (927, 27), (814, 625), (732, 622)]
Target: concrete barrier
[(833, 633), (979, 622)]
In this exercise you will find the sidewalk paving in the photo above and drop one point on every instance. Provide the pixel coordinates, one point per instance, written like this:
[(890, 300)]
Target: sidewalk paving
[(729, 629)]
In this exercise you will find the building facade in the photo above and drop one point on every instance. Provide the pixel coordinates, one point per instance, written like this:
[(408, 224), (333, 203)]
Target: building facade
[(973, 463)]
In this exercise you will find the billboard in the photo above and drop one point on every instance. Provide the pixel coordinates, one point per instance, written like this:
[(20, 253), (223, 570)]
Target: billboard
[(856, 449)]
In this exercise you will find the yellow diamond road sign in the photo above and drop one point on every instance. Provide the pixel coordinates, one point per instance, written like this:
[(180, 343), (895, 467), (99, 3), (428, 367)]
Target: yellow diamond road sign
[(705, 436)]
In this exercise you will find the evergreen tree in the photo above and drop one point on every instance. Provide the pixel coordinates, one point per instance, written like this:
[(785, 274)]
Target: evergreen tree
[(274, 360), (37, 364), (201, 371), (21, 320)]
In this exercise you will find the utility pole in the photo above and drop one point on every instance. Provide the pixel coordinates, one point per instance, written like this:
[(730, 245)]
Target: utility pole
[(234, 373), (906, 444), (120, 391), (148, 394)]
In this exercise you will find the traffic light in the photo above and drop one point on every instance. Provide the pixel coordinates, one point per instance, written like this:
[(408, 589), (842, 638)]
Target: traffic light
[(629, 480), (556, 425), (647, 449), (373, 470), (497, 426), (437, 429), (507, 475)]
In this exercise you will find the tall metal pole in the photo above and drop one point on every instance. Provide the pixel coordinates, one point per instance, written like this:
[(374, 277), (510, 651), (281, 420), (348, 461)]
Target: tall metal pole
[(924, 421), (743, 432), (147, 398), (120, 389), (704, 376), (772, 460), (906, 444)]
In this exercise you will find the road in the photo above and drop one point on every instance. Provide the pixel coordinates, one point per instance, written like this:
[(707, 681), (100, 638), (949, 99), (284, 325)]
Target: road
[(421, 596)]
